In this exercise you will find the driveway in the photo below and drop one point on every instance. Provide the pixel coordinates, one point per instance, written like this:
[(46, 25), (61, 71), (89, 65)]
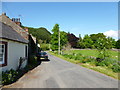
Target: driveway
[(58, 73)]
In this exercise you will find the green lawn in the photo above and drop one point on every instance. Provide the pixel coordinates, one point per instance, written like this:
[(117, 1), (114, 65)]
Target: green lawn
[(94, 53)]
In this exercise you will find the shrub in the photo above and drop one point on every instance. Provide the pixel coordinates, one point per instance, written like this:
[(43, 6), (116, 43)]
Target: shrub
[(106, 62), (116, 67), (9, 76), (83, 60), (78, 58), (68, 56), (92, 61), (32, 59), (100, 64), (72, 56), (99, 59), (86, 59), (109, 61)]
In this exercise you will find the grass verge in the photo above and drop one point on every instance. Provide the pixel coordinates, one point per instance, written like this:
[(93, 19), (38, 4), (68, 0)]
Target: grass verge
[(94, 53), (100, 69)]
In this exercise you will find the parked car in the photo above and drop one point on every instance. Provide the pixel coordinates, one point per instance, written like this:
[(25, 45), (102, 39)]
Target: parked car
[(42, 56)]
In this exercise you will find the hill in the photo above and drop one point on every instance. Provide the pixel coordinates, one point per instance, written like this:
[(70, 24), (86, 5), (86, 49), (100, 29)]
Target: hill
[(40, 33)]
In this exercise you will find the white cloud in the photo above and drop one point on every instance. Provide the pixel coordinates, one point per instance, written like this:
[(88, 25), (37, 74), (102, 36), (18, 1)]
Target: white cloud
[(111, 33)]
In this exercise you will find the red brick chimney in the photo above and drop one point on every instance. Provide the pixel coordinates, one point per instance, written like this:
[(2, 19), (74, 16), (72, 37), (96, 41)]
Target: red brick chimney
[(26, 29), (17, 21), (4, 13)]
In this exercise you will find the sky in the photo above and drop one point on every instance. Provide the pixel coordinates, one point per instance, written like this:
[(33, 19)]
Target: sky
[(74, 17)]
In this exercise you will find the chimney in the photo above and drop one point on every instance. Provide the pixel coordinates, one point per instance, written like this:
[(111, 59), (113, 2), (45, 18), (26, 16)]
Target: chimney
[(26, 29), (17, 21), (4, 13)]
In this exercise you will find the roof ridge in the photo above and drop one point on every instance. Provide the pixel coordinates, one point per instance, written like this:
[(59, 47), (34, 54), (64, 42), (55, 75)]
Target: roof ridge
[(15, 27), (9, 33)]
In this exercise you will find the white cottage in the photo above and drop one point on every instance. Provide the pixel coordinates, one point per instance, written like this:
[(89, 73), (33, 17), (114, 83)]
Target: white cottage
[(12, 46)]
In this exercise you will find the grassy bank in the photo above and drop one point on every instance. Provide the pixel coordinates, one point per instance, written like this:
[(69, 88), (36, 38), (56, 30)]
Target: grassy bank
[(94, 53), (102, 69)]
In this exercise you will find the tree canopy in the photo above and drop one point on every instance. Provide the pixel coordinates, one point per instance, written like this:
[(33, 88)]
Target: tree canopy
[(72, 39), (54, 38), (88, 43), (118, 44), (97, 40)]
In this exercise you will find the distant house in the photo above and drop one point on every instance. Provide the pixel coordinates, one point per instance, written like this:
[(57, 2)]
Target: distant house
[(13, 43)]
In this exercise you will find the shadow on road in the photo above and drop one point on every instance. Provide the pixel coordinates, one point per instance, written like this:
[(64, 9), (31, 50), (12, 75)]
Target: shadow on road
[(45, 60), (42, 60)]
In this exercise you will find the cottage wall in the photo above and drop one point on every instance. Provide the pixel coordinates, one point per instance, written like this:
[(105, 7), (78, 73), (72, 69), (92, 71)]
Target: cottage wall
[(15, 51)]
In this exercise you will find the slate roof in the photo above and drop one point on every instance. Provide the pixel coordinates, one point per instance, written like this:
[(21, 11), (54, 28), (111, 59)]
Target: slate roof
[(7, 32)]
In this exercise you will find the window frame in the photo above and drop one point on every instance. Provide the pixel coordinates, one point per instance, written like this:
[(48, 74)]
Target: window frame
[(5, 53)]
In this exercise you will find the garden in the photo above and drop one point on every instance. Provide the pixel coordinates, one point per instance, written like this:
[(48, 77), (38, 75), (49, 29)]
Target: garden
[(11, 76)]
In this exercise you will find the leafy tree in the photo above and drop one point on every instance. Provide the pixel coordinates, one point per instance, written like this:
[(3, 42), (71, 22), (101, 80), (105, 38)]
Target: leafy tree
[(54, 37), (118, 44), (111, 43), (80, 43), (72, 39), (88, 43), (63, 39), (102, 46), (94, 37)]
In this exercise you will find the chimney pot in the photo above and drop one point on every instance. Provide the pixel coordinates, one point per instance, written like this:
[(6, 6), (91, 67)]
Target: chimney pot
[(4, 13), (15, 20), (18, 19)]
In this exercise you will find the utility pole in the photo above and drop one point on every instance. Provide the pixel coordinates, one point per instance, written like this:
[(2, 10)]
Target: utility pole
[(59, 42)]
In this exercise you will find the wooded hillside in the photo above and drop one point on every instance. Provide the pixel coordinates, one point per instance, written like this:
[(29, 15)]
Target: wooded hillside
[(40, 33)]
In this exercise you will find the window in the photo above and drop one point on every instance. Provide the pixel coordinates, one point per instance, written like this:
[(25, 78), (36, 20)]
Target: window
[(26, 51), (3, 53)]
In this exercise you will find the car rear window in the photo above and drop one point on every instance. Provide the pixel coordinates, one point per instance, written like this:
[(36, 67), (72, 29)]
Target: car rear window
[(44, 53)]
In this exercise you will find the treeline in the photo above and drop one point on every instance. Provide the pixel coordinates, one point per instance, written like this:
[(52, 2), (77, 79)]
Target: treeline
[(92, 41), (95, 40)]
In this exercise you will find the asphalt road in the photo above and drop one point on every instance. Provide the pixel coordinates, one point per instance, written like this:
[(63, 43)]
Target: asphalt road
[(58, 73)]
